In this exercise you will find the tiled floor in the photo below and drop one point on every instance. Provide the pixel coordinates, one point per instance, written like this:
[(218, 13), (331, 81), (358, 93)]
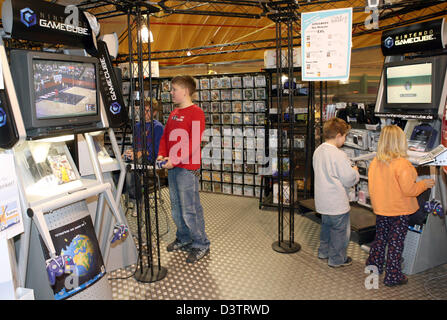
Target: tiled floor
[(242, 264)]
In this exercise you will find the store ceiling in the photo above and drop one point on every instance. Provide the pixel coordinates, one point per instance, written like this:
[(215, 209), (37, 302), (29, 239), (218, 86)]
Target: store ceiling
[(202, 25)]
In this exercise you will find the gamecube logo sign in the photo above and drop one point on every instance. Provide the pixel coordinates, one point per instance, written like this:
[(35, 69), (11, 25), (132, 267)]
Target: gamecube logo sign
[(28, 17), (389, 42), (115, 108), (2, 117)]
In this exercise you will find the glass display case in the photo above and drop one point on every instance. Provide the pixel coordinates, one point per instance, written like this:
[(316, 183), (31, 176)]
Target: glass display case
[(47, 170)]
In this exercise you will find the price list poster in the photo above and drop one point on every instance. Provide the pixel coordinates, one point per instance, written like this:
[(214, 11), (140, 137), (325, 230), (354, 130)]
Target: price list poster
[(326, 40)]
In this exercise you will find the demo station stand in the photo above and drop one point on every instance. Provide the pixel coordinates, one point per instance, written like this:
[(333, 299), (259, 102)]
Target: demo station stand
[(59, 255)]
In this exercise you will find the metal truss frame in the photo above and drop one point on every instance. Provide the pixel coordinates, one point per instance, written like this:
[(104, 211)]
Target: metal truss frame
[(423, 10), (104, 9)]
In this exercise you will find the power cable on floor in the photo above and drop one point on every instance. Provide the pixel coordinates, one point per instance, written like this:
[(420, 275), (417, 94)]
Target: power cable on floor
[(138, 256), (133, 273)]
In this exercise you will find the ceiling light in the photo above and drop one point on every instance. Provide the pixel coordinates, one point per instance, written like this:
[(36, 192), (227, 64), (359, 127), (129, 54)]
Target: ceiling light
[(146, 34)]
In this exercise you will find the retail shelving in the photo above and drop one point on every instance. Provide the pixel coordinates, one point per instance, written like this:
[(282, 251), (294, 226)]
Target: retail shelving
[(234, 140), (297, 129)]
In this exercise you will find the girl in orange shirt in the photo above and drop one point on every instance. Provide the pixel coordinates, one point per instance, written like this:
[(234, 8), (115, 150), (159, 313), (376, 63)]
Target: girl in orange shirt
[(393, 190)]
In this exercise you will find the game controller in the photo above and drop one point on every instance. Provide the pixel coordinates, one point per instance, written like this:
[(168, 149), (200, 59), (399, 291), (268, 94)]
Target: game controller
[(57, 266), (120, 232), (435, 207), (159, 163)]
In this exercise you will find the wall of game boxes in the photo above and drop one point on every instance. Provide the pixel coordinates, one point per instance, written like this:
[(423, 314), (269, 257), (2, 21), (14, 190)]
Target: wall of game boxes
[(234, 141)]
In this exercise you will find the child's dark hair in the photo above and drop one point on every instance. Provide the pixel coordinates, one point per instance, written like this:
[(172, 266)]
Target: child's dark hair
[(335, 126), (186, 82)]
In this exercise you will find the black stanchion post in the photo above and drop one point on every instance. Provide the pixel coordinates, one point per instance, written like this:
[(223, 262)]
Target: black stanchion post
[(137, 185), (285, 12), (151, 272)]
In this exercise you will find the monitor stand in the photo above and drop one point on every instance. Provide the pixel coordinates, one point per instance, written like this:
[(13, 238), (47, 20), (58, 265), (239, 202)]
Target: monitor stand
[(55, 216), (426, 249), (124, 254)]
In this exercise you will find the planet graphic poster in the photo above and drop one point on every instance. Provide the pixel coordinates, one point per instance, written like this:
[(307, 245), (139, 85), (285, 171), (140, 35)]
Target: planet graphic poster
[(84, 264)]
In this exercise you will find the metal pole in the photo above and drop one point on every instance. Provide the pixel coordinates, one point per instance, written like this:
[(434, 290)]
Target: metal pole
[(285, 14), (143, 275), (136, 175), (154, 156), (143, 140), (279, 133), (291, 132)]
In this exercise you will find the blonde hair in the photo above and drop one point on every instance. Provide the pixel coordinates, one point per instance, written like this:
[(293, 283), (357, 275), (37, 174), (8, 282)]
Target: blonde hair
[(392, 144)]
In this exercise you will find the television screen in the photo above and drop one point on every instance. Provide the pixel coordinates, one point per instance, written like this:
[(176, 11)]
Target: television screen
[(64, 89), (410, 84)]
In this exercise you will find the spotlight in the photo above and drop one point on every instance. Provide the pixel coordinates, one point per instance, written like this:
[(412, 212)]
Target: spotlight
[(146, 34)]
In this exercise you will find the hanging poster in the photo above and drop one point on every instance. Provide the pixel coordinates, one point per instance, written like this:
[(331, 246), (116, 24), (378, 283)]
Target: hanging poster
[(78, 241), (326, 45), (11, 223)]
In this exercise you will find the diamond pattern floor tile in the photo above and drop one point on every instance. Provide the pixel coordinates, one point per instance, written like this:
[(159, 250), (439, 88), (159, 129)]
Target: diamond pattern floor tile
[(242, 264)]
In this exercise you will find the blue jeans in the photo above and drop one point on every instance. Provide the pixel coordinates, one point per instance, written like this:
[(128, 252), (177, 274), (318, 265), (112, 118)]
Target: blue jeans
[(186, 208), (334, 238)]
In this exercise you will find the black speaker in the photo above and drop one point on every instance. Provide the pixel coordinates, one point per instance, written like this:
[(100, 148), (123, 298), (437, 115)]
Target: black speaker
[(111, 89), (8, 130)]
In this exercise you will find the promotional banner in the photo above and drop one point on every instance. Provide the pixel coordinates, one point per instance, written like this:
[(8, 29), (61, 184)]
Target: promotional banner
[(111, 92), (425, 36), (326, 40), (47, 22), (77, 243)]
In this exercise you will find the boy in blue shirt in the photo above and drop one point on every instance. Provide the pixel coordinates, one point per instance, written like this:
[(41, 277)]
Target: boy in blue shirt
[(158, 132)]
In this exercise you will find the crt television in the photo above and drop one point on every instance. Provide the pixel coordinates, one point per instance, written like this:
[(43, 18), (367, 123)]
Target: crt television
[(414, 85), (57, 93)]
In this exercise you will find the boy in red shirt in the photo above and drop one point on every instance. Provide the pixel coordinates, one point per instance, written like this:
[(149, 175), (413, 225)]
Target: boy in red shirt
[(180, 147)]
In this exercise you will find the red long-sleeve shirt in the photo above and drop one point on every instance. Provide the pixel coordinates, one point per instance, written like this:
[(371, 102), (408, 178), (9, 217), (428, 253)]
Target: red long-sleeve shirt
[(182, 136)]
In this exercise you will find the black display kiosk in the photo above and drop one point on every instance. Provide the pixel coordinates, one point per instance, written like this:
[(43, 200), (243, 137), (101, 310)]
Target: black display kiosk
[(59, 255), (413, 91)]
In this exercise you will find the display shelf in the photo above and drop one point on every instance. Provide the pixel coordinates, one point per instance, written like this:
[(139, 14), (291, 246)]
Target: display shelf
[(37, 195), (267, 202), (294, 126), (234, 106)]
